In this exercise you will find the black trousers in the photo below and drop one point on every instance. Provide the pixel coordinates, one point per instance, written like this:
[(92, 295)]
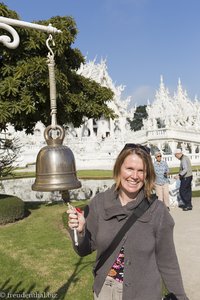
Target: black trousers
[(186, 190)]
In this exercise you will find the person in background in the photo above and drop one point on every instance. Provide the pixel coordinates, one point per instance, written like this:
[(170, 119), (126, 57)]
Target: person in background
[(146, 255), (162, 182), (185, 176)]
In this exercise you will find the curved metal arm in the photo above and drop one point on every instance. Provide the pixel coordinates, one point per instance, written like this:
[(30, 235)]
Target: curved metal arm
[(14, 22), (6, 40), (5, 24)]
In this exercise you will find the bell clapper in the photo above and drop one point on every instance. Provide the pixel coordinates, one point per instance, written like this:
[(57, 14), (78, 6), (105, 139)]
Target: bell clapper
[(75, 231)]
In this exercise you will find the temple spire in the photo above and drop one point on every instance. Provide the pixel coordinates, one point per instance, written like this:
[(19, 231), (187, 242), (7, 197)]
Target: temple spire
[(162, 92)]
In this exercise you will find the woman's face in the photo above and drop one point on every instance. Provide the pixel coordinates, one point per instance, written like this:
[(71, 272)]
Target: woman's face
[(158, 157), (132, 175)]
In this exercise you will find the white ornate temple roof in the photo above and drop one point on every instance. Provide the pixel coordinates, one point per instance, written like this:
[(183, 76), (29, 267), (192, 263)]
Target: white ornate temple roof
[(173, 110), (98, 72)]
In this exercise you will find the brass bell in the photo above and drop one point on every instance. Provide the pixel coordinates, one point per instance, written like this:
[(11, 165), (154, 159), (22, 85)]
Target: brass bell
[(55, 164)]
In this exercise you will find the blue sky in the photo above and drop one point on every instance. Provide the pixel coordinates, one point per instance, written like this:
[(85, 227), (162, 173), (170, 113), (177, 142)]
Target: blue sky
[(141, 39)]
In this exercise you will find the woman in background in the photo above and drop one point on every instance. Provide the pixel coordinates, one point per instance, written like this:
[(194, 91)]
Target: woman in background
[(162, 182)]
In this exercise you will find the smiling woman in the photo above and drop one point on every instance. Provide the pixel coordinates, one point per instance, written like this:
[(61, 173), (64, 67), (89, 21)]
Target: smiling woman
[(135, 166), (131, 178), (135, 268)]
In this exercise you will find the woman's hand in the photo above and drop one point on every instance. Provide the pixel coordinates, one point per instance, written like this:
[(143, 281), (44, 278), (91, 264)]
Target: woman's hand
[(76, 219)]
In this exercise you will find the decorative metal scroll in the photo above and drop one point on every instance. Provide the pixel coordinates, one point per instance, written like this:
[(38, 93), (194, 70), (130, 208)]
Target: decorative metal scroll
[(6, 40), (7, 23)]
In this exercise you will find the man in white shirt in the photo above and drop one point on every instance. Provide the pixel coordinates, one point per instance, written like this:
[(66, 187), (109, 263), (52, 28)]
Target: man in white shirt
[(185, 176)]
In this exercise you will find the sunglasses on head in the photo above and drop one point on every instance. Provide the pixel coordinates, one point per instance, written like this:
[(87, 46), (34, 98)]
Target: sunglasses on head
[(137, 146)]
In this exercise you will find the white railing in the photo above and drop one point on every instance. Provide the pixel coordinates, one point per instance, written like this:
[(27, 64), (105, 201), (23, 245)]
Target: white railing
[(180, 134)]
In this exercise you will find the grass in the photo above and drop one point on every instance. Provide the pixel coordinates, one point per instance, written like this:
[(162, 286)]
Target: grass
[(196, 193), (95, 174), (36, 255), (82, 174)]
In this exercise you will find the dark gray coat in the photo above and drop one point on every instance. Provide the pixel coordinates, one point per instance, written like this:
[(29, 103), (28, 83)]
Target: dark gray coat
[(148, 246)]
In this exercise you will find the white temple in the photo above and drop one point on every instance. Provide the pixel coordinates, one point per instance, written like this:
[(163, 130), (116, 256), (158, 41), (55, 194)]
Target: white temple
[(173, 121), (173, 111), (102, 128)]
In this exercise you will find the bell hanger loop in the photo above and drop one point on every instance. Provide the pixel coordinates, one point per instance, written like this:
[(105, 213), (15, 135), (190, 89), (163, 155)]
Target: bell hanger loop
[(50, 39)]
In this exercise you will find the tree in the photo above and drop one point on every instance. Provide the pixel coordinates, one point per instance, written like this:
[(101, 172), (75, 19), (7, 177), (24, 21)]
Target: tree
[(24, 79), (9, 150), (140, 114)]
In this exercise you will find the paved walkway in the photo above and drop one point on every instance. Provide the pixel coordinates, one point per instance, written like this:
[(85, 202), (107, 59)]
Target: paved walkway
[(187, 241)]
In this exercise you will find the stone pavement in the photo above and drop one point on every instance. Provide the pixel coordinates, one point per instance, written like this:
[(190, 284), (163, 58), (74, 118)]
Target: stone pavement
[(187, 241)]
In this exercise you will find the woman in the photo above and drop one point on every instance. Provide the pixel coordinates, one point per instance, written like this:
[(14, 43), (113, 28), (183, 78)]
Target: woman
[(146, 255), (162, 182)]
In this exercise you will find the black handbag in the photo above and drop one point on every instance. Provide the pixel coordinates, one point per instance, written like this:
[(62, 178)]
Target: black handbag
[(137, 213), (170, 296)]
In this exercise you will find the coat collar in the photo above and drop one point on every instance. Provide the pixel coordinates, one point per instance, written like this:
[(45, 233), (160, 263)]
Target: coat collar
[(113, 207)]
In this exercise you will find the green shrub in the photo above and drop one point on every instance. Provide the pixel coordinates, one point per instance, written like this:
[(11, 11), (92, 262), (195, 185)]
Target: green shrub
[(11, 209)]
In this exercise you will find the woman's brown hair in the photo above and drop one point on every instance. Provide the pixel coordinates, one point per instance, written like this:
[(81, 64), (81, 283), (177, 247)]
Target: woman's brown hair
[(144, 153)]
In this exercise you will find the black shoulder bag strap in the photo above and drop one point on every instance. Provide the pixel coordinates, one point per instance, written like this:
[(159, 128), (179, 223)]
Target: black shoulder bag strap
[(137, 213)]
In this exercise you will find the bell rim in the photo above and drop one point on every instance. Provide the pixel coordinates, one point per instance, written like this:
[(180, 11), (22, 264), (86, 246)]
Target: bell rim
[(55, 187)]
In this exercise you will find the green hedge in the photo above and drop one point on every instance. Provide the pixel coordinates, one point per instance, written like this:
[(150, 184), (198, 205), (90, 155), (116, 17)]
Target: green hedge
[(11, 209)]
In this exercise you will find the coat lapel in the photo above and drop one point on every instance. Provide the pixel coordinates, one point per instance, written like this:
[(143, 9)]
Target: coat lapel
[(114, 209)]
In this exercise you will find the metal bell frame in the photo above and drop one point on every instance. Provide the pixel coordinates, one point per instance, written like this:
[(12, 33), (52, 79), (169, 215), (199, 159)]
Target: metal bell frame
[(55, 165)]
